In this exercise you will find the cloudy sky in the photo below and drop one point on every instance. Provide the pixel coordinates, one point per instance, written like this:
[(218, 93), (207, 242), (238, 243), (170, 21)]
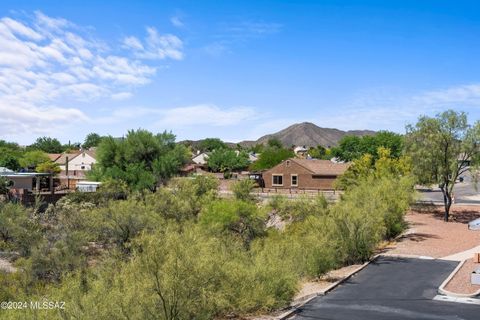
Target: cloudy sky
[(232, 69)]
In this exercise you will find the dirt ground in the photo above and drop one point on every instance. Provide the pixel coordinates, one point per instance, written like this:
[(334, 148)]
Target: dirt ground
[(429, 235), (461, 283)]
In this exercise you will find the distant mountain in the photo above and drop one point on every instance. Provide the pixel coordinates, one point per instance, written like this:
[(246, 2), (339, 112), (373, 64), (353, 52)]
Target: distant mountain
[(308, 134), (300, 134)]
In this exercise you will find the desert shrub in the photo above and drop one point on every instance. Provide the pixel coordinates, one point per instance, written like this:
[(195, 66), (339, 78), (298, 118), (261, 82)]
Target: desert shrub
[(121, 222), (242, 189), (370, 212), (300, 208), (178, 273), (18, 230), (236, 217)]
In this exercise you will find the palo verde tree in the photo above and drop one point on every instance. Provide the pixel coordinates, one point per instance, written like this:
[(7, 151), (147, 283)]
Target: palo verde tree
[(443, 148)]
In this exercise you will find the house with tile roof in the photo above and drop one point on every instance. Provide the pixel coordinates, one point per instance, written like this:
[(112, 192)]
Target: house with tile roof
[(310, 174)]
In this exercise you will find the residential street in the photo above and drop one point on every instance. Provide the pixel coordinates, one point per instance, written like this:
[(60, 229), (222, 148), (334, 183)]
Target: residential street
[(391, 288), (464, 192)]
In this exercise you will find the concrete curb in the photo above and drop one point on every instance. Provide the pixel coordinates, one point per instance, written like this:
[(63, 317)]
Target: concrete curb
[(300, 302), (443, 291)]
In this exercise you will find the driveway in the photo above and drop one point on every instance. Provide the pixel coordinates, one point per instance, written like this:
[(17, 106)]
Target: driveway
[(391, 288)]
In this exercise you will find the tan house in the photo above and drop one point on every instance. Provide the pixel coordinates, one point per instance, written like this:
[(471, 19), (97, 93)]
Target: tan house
[(304, 174), (74, 166)]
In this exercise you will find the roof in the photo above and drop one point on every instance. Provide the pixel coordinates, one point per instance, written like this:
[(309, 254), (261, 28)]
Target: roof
[(24, 174), (63, 157), (324, 167), (54, 156)]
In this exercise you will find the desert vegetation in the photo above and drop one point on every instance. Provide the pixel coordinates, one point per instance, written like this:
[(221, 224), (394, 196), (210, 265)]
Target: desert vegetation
[(183, 252)]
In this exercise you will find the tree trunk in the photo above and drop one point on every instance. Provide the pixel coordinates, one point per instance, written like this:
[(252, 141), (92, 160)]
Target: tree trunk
[(447, 201)]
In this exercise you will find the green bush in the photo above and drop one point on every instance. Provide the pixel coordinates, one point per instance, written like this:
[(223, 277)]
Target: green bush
[(242, 189), (239, 218)]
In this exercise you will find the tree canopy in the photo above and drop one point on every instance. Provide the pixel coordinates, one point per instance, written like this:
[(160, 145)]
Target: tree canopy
[(442, 148), (48, 145), (31, 159), (10, 154), (141, 159), (271, 156), (354, 147), (227, 160), (210, 144), (92, 140)]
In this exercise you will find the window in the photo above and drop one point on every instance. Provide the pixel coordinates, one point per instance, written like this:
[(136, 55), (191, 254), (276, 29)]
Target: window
[(294, 180), (277, 180)]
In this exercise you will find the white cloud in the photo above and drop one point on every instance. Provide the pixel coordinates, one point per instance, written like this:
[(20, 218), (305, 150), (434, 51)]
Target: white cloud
[(206, 114), (463, 94), (47, 63), (177, 22), (155, 46)]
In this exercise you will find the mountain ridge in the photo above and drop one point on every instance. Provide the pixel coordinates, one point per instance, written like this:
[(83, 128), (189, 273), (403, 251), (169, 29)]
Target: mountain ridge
[(307, 134)]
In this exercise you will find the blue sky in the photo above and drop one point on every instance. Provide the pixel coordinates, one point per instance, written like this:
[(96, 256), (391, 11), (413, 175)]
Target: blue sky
[(232, 69)]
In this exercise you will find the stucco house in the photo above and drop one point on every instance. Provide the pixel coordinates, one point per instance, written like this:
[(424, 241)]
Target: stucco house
[(304, 174), (74, 166)]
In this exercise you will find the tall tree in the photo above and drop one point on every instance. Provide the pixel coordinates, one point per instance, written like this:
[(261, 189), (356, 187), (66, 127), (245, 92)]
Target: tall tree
[(443, 148), (48, 145), (210, 144), (92, 140), (270, 157), (226, 160), (354, 147), (142, 160), (31, 159)]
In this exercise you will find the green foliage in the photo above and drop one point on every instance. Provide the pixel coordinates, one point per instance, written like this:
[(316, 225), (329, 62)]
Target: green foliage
[(354, 147), (211, 144), (270, 157), (442, 148), (48, 145), (17, 230), (142, 160), (239, 218), (183, 253), (48, 167), (227, 160), (385, 166), (274, 143), (31, 159), (242, 189), (368, 213), (4, 185), (92, 140), (299, 209), (10, 154), (257, 148), (320, 152)]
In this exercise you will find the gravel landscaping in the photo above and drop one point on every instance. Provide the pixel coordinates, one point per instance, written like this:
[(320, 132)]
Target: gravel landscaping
[(429, 235), (461, 283)]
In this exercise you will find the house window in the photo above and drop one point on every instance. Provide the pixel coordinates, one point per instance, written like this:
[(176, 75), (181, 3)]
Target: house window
[(277, 180), (294, 180)]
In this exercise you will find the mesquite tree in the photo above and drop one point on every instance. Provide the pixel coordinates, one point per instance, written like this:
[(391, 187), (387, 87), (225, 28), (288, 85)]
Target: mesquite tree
[(442, 149)]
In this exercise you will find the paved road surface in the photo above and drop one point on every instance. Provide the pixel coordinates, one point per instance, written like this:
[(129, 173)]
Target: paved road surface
[(464, 192), (391, 288)]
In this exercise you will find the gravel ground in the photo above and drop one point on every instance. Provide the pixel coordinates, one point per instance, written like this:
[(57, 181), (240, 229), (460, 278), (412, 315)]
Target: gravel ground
[(325, 281), (6, 266), (429, 235), (461, 283)]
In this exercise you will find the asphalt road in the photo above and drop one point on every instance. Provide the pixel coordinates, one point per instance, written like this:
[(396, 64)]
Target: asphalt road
[(391, 288), (463, 192)]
